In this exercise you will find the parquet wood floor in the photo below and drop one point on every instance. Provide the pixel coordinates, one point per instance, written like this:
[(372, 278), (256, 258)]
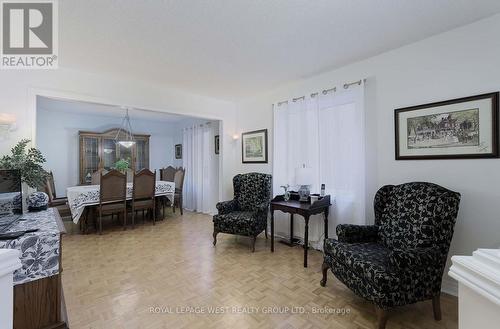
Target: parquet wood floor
[(114, 280)]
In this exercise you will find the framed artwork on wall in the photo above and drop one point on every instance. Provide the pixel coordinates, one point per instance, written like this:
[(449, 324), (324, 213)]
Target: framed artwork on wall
[(462, 128), (178, 151), (217, 144), (254, 146)]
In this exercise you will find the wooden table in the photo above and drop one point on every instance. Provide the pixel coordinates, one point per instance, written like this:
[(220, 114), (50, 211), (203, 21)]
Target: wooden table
[(305, 209)]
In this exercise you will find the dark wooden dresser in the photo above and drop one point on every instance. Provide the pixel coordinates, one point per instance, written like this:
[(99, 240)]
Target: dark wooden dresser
[(38, 294)]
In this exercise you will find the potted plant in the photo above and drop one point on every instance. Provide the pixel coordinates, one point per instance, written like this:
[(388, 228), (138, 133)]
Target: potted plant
[(29, 161), (122, 165)]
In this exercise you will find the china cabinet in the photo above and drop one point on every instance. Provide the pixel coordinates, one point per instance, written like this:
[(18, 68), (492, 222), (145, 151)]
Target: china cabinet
[(101, 151)]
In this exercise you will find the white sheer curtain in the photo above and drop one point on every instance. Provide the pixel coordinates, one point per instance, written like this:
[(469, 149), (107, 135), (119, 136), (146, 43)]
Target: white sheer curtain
[(201, 181), (326, 133)]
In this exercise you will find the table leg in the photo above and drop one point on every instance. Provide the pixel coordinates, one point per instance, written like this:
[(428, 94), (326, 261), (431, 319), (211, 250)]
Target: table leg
[(291, 229), (306, 240), (326, 228), (272, 230), (326, 223)]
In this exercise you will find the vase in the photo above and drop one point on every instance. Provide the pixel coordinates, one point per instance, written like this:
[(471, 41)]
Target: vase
[(286, 196)]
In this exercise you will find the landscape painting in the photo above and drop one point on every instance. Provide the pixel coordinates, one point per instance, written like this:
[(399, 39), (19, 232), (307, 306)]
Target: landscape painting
[(462, 128), (451, 129), (254, 146)]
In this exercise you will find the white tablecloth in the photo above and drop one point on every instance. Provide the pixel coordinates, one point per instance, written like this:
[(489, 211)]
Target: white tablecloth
[(80, 197)]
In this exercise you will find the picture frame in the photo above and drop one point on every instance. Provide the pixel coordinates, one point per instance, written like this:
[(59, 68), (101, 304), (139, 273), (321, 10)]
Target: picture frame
[(461, 128), (217, 144), (254, 146), (178, 151)]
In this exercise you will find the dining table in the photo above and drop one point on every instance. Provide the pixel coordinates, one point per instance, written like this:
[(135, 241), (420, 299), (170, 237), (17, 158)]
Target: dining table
[(82, 196)]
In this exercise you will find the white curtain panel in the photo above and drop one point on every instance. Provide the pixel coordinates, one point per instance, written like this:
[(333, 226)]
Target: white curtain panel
[(326, 133), (201, 164)]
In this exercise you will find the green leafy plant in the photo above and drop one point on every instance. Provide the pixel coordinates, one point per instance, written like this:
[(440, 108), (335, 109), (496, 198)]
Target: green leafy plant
[(29, 161), (121, 165)]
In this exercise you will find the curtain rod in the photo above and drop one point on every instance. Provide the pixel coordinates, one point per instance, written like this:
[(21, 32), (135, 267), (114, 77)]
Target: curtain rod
[(326, 91)]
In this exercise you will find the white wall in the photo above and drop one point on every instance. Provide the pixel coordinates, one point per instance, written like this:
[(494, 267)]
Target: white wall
[(462, 62), (18, 90), (57, 138)]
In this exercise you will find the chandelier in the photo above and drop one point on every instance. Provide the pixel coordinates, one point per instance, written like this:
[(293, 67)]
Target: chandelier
[(126, 138)]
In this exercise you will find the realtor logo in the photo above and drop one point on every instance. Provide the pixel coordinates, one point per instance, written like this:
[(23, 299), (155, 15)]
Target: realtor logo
[(29, 34)]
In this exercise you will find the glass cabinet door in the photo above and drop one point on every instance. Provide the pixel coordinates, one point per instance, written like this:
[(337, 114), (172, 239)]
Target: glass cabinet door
[(90, 160), (125, 153), (109, 153), (142, 154)]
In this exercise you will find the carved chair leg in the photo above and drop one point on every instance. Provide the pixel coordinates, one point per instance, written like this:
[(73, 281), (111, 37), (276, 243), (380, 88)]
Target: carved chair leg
[(153, 214), (95, 215), (215, 237), (133, 217), (324, 269), (254, 238), (436, 307), (124, 214), (381, 317), (100, 222), (163, 204)]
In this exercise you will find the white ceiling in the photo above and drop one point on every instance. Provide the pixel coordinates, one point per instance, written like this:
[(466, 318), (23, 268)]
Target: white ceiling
[(101, 110), (236, 48)]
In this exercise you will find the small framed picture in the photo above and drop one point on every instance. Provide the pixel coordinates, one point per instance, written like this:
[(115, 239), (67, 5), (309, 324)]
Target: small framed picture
[(217, 144), (254, 146), (462, 128), (178, 151)]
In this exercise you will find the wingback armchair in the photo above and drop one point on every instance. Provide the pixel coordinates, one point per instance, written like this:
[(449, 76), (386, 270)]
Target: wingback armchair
[(247, 213), (400, 260)]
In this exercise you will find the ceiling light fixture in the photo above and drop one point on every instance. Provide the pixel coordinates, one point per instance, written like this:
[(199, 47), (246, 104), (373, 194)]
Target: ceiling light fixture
[(126, 138)]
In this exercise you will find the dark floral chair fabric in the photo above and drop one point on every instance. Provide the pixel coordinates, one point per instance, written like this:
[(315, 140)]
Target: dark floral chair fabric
[(247, 213), (400, 260)]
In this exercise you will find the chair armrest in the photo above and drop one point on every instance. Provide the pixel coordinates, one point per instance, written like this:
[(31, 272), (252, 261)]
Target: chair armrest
[(226, 207), (415, 258), (357, 233)]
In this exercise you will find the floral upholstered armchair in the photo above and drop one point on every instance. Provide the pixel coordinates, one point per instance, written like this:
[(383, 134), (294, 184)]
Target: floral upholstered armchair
[(400, 260), (246, 214)]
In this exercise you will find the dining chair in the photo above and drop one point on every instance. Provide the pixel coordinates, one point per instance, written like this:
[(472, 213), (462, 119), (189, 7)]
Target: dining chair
[(179, 183), (54, 202), (167, 174), (96, 176), (113, 196), (143, 194)]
